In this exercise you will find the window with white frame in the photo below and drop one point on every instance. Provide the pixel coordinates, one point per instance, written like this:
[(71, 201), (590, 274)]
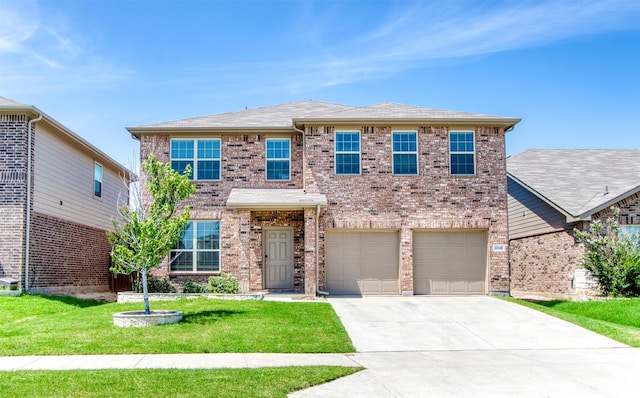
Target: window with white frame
[(278, 158), (347, 148), (198, 249), (203, 155), (97, 180), (405, 152), (462, 153)]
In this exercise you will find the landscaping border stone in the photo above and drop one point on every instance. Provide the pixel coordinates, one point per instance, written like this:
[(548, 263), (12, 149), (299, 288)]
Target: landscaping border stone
[(132, 297)]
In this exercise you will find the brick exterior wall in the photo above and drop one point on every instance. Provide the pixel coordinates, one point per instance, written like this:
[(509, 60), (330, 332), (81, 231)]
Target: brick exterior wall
[(13, 193), (543, 264), (376, 199), (65, 255), (434, 199), (549, 265), (62, 254)]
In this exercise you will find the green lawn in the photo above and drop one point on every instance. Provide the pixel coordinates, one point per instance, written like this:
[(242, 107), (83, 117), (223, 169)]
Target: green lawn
[(52, 325), (618, 319), (265, 382)]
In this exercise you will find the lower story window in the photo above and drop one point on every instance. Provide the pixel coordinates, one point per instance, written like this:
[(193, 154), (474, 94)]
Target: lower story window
[(198, 249)]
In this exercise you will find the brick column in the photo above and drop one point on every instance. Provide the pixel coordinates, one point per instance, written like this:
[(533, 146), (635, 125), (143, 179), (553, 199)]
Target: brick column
[(406, 261), (310, 287)]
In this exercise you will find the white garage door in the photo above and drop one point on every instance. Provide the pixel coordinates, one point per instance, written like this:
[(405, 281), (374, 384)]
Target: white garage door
[(362, 262), (449, 262)]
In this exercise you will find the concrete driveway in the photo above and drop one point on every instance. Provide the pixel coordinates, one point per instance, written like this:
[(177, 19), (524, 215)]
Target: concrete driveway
[(475, 347)]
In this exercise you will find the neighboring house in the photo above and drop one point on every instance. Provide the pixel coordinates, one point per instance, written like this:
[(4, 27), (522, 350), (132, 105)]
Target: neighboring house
[(58, 194), (552, 192), (317, 197)]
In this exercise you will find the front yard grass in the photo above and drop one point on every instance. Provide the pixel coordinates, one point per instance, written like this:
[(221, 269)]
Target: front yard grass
[(264, 382), (618, 319), (53, 325)]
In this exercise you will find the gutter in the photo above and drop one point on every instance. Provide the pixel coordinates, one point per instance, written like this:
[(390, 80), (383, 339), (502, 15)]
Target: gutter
[(27, 238)]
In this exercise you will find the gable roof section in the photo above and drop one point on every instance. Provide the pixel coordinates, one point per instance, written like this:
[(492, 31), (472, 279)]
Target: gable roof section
[(269, 117), (286, 116), (388, 112), (9, 106), (578, 182)]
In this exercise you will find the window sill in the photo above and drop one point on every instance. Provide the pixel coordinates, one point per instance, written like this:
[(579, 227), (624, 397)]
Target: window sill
[(199, 273)]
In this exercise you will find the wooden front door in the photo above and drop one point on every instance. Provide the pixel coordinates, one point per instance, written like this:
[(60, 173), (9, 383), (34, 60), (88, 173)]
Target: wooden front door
[(278, 258)]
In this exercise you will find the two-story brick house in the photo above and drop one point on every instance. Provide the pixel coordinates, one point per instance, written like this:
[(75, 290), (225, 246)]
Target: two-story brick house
[(58, 194), (312, 196)]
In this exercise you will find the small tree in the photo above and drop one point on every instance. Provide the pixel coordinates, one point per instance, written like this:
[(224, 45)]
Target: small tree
[(612, 259), (148, 231)]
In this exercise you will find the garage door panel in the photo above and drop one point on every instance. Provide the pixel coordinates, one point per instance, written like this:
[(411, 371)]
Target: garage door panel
[(438, 287), (476, 239), (476, 287), (449, 262), (457, 287), (362, 262)]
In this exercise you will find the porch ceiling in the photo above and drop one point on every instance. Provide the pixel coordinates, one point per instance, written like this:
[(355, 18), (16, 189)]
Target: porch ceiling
[(274, 199)]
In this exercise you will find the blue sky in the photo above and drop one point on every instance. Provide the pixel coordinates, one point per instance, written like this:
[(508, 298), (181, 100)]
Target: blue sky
[(569, 69)]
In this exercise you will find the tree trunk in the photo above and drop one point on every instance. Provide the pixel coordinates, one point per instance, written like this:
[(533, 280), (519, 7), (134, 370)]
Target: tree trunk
[(145, 291)]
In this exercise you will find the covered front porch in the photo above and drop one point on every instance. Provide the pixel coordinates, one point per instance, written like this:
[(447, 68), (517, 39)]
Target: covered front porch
[(279, 236)]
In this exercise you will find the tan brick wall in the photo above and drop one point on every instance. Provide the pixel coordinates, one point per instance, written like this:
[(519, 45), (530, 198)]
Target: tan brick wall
[(630, 210), (376, 199), (65, 254), (432, 200), (543, 264)]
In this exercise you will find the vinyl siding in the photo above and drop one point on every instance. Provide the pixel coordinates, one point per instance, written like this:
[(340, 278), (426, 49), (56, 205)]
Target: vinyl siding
[(63, 183), (530, 215)]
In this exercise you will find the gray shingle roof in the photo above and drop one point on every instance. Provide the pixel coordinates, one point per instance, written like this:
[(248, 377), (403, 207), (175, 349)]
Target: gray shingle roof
[(283, 116), (389, 110), (269, 116), (579, 181)]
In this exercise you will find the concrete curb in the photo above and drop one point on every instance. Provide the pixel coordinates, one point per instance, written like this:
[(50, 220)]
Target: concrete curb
[(173, 361)]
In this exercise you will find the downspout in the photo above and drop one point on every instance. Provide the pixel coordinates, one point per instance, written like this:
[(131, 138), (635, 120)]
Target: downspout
[(28, 210)]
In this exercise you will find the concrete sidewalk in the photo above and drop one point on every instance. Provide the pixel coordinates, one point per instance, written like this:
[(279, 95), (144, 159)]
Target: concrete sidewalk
[(172, 361)]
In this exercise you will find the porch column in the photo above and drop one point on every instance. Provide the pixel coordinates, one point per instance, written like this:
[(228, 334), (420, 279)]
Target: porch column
[(310, 287), (246, 261)]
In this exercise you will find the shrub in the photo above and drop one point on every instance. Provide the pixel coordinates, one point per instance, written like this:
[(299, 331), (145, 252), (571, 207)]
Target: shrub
[(155, 285), (223, 284), (194, 287), (613, 260)]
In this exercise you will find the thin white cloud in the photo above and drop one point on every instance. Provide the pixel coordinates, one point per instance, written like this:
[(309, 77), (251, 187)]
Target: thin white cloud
[(41, 53), (419, 33)]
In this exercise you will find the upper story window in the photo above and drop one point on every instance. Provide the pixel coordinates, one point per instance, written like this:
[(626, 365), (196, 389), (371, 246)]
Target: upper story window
[(198, 248), (347, 152), (97, 180), (203, 155), (405, 152), (278, 159), (462, 153)]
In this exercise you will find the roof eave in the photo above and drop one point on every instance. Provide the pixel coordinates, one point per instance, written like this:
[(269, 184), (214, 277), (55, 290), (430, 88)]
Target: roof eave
[(586, 216), (507, 123), (33, 111), (275, 206), (137, 132)]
